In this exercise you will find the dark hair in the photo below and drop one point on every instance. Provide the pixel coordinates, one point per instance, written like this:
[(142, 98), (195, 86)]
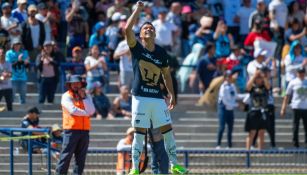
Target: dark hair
[(147, 23), (208, 47)]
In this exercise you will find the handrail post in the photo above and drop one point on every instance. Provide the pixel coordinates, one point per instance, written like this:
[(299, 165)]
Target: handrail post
[(248, 159), (11, 154), (186, 159), (30, 153), (49, 155)]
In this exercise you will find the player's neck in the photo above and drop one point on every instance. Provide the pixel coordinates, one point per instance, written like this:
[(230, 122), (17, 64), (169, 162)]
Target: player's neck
[(148, 44)]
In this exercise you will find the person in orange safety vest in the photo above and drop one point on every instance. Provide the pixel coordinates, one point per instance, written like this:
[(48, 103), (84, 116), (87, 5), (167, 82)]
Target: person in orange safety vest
[(77, 109)]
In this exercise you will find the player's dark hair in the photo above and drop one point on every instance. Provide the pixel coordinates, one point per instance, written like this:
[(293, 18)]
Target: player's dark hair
[(147, 23)]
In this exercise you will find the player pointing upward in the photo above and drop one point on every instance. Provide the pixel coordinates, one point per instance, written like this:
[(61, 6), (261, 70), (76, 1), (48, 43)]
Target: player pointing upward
[(149, 62)]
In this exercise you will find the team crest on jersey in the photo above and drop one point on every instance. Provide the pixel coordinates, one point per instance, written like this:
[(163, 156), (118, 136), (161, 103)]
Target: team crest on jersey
[(150, 73)]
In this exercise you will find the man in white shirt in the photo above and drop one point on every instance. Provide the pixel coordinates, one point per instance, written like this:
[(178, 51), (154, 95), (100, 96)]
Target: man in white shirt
[(122, 52), (297, 88), (165, 31), (44, 16), (242, 17), (9, 23), (20, 13)]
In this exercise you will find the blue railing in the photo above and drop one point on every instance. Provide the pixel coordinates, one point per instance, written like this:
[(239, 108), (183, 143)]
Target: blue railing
[(247, 153), (11, 133)]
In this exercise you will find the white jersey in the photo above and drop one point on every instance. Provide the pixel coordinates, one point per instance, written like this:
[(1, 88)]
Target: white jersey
[(298, 89)]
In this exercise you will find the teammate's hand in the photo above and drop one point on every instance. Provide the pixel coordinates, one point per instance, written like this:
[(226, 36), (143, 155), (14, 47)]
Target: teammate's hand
[(172, 103)]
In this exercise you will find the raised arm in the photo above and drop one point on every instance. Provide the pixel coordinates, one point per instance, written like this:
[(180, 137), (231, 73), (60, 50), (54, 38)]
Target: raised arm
[(130, 37)]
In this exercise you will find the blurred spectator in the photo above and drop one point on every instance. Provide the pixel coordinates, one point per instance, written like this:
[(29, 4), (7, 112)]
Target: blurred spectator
[(257, 63), (33, 35), (123, 156), (113, 33), (206, 67), (262, 14), (77, 59), (122, 53), (95, 66), (256, 33), (258, 87), (174, 15), (48, 69), (6, 90), (101, 101), (294, 60), (102, 6), (158, 6), (166, 32), (54, 20), (99, 37), (226, 104), (56, 53), (146, 15), (230, 10), (187, 20), (19, 59), (9, 23), (56, 140), (242, 17), (4, 38), (278, 12), (296, 32), (31, 120), (122, 103), (185, 73), (44, 16), (78, 29), (295, 13), (204, 34), (216, 10), (223, 40), (20, 13), (118, 6), (297, 88)]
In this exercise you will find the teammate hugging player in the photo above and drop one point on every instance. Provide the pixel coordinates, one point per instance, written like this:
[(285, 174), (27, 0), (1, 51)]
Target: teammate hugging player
[(149, 62)]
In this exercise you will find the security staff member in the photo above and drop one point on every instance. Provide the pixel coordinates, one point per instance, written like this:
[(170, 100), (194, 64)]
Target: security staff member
[(77, 109)]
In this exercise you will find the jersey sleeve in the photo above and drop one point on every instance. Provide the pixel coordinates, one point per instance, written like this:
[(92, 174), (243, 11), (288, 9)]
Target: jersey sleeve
[(135, 51), (165, 62)]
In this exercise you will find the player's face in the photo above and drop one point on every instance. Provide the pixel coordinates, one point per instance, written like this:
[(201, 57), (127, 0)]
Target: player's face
[(148, 31)]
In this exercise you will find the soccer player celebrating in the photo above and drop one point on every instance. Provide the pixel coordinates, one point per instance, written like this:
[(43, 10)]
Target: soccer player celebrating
[(149, 62)]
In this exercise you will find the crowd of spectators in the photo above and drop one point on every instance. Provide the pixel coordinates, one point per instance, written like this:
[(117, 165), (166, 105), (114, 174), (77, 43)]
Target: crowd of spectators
[(207, 37)]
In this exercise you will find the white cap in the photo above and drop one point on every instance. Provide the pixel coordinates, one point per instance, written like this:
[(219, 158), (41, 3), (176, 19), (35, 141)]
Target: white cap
[(258, 52), (21, 1), (260, 1), (116, 16)]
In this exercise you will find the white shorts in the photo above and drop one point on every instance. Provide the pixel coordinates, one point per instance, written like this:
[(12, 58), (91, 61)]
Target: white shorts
[(145, 109)]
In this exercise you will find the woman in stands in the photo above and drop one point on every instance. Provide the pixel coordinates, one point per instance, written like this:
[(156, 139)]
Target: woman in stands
[(95, 66), (49, 71), (258, 87)]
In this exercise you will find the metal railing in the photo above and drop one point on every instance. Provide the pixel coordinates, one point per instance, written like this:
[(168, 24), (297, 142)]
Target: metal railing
[(11, 133)]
